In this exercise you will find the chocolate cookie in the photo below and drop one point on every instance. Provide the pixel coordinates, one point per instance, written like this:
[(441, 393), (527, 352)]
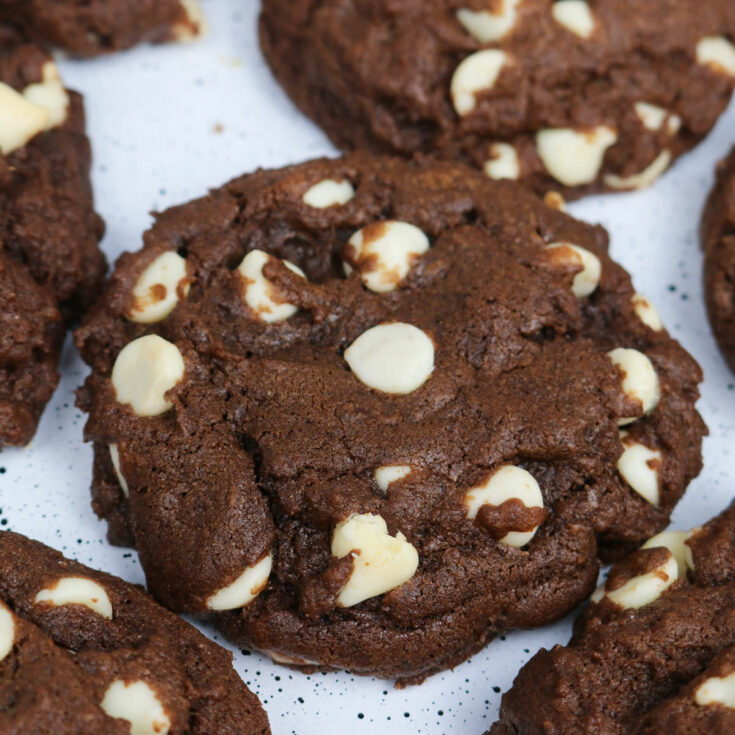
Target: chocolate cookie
[(718, 243), (654, 652), (50, 264), (92, 27), (82, 652), (368, 411), (569, 95)]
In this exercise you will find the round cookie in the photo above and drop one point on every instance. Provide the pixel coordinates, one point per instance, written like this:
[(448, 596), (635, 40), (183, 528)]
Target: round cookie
[(368, 412), (50, 264), (718, 243), (653, 653), (93, 27), (563, 95), (82, 652)]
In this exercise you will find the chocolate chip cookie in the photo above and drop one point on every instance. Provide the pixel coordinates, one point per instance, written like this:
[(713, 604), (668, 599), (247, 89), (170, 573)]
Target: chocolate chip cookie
[(82, 652), (654, 652), (92, 27), (718, 243), (369, 412), (50, 264), (561, 94)]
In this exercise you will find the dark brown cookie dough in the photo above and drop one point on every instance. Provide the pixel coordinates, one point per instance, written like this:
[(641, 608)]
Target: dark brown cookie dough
[(92, 27), (654, 652), (568, 95), (50, 263), (84, 652), (398, 464), (718, 243)]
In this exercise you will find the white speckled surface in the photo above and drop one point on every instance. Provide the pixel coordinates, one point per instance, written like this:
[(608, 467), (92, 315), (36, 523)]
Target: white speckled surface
[(154, 119)]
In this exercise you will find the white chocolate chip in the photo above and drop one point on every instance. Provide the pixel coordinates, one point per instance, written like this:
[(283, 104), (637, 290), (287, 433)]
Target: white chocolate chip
[(504, 163), (144, 371), (388, 474), (381, 562), (259, 290), (574, 157), (575, 16), (676, 543), (50, 95), (137, 703), (7, 632), (717, 53), (282, 658), (555, 200), (20, 119), (392, 358), (115, 459), (477, 73), (654, 118), (638, 466), (645, 588), (717, 690), (486, 26), (643, 179), (195, 25), (78, 591), (244, 589), (507, 483), (387, 250), (159, 288), (587, 280), (329, 193), (640, 380), (647, 312)]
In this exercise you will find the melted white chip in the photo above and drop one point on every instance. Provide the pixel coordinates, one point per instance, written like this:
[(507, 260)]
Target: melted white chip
[(638, 466), (244, 589), (477, 73), (385, 252), (574, 157), (7, 632), (717, 690), (640, 380), (196, 24), (329, 193), (508, 483), (259, 291), (282, 658), (78, 591), (504, 163), (144, 371), (381, 562), (647, 312), (575, 16), (115, 459), (588, 279), (20, 120), (717, 53), (50, 94), (646, 588), (676, 543), (643, 179), (654, 118), (157, 291), (555, 200), (487, 26), (137, 703), (388, 474), (392, 358)]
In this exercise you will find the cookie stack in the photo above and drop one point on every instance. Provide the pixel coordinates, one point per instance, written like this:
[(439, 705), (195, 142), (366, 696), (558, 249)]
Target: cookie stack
[(371, 412)]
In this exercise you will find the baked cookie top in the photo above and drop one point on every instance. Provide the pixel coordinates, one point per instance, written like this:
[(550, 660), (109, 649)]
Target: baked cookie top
[(371, 412), (718, 243), (653, 653), (564, 95), (50, 263), (83, 653), (92, 27)]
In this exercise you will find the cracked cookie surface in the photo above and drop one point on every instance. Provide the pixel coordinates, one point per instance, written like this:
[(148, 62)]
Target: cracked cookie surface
[(369, 413)]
